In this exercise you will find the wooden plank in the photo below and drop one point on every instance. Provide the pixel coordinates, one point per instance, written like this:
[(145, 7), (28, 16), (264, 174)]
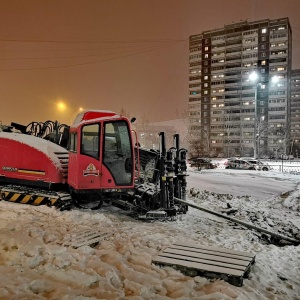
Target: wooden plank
[(87, 242), (209, 258), (198, 266), (214, 248), (85, 237), (216, 262), (204, 261), (209, 252)]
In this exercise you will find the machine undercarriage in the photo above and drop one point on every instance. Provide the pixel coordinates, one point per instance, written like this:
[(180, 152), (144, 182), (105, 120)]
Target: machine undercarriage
[(160, 178)]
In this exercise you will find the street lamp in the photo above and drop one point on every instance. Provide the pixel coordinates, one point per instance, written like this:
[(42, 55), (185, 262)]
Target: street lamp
[(255, 79), (63, 108)]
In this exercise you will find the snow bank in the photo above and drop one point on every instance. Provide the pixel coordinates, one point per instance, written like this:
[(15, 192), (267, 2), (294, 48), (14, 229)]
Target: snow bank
[(35, 264)]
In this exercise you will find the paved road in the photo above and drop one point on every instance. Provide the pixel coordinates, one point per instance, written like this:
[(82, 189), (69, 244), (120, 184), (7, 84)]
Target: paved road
[(241, 183)]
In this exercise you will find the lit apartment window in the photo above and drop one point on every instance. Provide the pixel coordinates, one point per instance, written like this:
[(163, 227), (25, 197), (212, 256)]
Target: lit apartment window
[(263, 86), (206, 56), (206, 49), (263, 63), (264, 30), (206, 84), (206, 77), (280, 68)]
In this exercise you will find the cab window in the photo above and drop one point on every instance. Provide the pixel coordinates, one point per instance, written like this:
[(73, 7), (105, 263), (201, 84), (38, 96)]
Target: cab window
[(73, 142), (90, 140)]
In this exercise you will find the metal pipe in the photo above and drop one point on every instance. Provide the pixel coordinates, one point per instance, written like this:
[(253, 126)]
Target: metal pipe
[(277, 235)]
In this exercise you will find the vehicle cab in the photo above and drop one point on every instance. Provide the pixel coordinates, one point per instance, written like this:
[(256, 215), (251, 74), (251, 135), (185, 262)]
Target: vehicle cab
[(101, 152)]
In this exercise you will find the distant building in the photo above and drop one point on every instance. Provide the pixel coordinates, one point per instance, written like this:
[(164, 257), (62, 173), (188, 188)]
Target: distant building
[(149, 134), (228, 112), (295, 112)]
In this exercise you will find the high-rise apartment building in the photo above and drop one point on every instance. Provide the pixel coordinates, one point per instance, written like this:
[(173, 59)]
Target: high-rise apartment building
[(229, 114), (295, 112)]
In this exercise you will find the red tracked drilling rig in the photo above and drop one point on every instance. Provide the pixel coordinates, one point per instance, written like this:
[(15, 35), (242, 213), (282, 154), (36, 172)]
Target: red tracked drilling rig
[(96, 159)]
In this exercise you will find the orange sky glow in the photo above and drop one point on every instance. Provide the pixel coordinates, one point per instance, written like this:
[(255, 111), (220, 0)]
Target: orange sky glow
[(110, 55)]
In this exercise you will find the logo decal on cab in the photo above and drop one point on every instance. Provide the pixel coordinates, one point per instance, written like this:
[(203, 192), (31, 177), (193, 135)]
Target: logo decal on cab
[(91, 170)]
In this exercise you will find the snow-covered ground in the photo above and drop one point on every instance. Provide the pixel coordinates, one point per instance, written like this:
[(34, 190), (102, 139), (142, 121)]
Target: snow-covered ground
[(34, 264)]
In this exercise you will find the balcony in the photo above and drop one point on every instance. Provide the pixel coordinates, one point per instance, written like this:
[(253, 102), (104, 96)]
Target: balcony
[(281, 55), (232, 84), (233, 41), (277, 64), (233, 91), (278, 39), (218, 41)]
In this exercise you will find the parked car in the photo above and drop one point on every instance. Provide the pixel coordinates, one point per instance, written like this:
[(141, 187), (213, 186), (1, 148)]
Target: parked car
[(259, 165), (202, 163), (246, 164), (239, 164)]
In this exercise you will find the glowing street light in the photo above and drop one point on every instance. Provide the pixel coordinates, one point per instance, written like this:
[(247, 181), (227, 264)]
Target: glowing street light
[(253, 76), (275, 79), (61, 106), (255, 79)]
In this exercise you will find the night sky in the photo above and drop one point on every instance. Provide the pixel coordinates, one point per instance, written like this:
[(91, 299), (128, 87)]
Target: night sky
[(112, 54)]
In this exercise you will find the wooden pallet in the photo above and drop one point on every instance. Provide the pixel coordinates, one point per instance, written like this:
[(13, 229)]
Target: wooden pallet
[(213, 262), (84, 237)]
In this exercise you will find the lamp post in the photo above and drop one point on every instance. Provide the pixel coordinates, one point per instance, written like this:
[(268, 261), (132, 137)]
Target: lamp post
[(255, 79)]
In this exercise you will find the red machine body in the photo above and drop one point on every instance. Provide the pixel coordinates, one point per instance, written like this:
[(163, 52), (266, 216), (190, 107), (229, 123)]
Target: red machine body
[(30, 160), (100, 156)]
